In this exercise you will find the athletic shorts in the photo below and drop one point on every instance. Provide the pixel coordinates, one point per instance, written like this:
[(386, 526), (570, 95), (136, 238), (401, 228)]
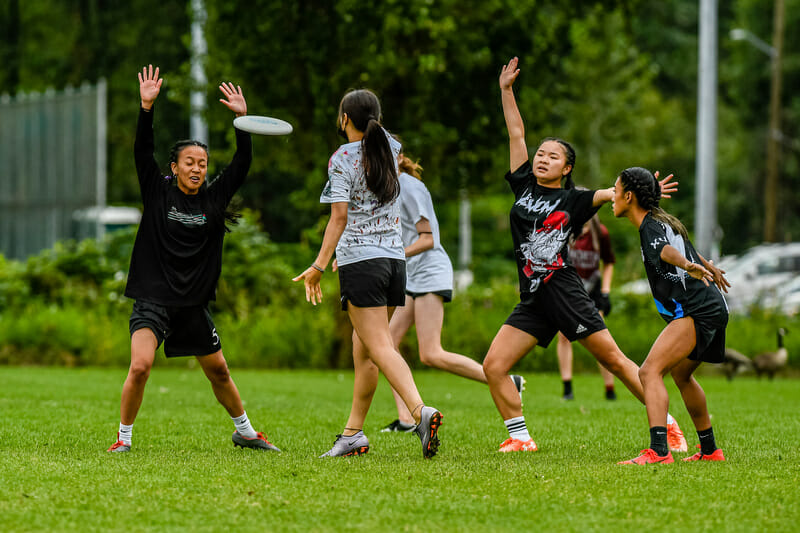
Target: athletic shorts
[(447, 296), (377, 282), (559, 305), (184, 331), (710, 344)]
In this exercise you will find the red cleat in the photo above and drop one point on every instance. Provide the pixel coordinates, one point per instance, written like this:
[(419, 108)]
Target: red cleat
[(516, 445), (716, 456), (675, 439), (647, 457), (119, 446)]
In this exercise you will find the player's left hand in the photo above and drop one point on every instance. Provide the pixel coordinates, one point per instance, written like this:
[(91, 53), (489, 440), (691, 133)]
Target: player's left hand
[(667, 188), (234, 99), (311, 278), (720, 280)]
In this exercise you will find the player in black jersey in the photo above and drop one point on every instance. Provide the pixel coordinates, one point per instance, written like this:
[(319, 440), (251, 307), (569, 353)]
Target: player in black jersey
[(552, 296), (687, 292), (177, 260)]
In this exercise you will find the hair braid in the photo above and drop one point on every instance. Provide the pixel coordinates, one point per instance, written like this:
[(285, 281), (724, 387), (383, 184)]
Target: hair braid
[(647, 190)]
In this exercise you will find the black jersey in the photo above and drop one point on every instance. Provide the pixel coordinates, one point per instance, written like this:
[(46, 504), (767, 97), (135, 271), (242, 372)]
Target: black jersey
[(542, 220), (675, 292), (177, 255)]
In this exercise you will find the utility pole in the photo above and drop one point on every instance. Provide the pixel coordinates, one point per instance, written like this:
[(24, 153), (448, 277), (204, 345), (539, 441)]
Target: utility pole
[(198, 127), (705, 206), (774, 133)]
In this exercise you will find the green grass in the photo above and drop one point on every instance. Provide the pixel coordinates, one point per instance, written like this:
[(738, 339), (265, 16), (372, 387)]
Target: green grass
[(184, 474)]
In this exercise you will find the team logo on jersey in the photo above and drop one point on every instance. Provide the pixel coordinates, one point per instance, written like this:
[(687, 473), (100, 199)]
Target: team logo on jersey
[(658, 240), (185, 218), (537, 206), (542, 250)]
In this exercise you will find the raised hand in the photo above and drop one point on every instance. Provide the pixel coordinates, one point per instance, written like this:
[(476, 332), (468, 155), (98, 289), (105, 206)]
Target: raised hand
[(667, 188), (509, 73), (149, 86), (234, 99)]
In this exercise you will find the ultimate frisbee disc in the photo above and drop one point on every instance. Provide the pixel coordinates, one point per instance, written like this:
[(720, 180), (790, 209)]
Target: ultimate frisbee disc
[(261, 125)]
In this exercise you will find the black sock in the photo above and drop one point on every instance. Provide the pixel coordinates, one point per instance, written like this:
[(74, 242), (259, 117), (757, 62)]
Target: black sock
[(658, 440), (707, 443), (567, 386)]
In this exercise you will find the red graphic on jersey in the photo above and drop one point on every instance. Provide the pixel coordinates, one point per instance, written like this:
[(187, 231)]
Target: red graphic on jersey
[(543, 248)]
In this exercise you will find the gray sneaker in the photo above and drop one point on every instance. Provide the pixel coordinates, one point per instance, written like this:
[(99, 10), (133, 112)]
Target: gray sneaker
[(258, 443), (399, 426), (428, 428), (519, 383), (119, 447), (346, 446)]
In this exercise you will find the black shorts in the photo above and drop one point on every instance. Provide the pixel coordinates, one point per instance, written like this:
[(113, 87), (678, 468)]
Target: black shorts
[(710, 344), (377, 282), (558, 305), (447, 296), (183, 330)]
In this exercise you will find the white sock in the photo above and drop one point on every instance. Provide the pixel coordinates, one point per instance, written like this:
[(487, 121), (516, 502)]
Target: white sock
[(517, 428), (125, 433), (243, 426), (670, 420)]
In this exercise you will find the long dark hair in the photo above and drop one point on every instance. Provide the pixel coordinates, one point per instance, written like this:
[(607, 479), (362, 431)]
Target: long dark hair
[(647, 190), (569, 152), (218, 218), (364, 110)]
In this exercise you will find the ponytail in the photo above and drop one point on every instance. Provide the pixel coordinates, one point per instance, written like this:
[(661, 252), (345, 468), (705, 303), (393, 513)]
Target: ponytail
[(380, 168), (410, 167), (647, 190)]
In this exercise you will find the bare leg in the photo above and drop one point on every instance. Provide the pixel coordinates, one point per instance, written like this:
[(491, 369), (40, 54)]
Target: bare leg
[(216, 370), (509, 346), (564, 350), (675, 342), (366, 381), (143, 353), (692, 393), (605, 350), (372, 326), (399, 324), (429, 316)]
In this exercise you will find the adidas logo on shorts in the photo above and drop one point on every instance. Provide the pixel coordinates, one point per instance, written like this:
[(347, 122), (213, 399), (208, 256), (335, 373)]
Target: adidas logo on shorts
[(581, 329)]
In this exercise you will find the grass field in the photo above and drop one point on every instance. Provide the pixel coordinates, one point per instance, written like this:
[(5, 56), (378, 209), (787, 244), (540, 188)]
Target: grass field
[(184, 474)]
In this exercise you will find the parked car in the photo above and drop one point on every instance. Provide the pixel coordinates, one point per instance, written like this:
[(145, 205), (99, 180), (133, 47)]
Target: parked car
[(757, 275)]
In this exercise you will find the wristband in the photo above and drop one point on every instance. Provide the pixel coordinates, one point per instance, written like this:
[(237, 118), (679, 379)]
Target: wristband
[(316, 267)]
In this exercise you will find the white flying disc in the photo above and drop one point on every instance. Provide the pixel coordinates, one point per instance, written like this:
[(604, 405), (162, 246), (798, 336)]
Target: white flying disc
[(261, 125)]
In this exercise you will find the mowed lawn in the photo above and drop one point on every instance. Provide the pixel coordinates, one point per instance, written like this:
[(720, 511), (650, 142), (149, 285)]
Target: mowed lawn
[(185, 475)]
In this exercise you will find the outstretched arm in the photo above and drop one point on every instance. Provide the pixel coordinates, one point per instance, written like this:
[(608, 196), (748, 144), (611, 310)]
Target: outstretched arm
[(516, 129), (149, 86)]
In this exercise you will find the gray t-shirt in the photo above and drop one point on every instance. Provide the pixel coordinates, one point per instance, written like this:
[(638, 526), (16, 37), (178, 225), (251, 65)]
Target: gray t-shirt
[(372, 230), (431, 270)]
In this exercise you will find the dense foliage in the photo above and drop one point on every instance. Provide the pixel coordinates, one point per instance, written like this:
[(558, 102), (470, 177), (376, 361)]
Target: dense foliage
[(65, 306), (618, 78)]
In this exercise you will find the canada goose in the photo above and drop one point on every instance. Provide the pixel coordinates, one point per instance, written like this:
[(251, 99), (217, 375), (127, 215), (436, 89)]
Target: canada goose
[(735, 363), (770, 362)]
